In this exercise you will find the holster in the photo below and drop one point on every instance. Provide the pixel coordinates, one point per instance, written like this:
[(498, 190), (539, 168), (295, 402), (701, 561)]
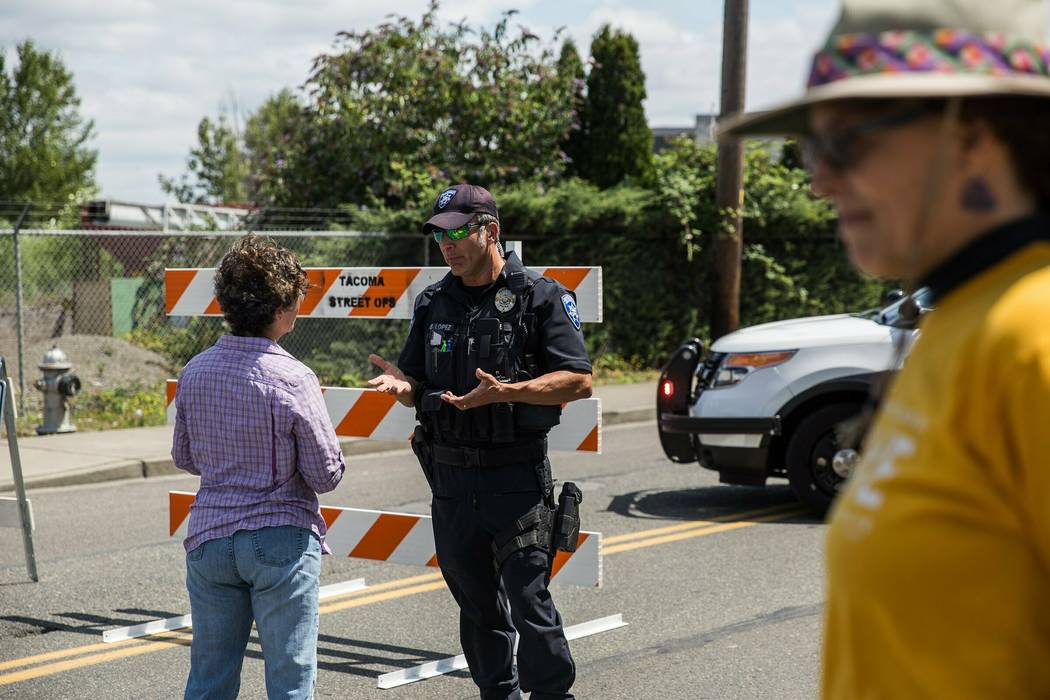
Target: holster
[(549, 529), (530, 530), (421, 447), (567, 521)]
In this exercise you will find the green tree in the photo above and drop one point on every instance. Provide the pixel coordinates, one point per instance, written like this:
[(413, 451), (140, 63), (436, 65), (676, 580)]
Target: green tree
[(616, 141), (571, 70), (393, 114), (400, 110), (271, 145), (44, 152), (231, 164), (217, 167), (654, 296)]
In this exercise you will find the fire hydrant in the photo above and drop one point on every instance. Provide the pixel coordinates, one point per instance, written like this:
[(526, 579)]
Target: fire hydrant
[(59, 384)]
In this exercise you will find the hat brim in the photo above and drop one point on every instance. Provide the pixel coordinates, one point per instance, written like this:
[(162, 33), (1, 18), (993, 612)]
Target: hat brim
[(792, 118), (447, 220)]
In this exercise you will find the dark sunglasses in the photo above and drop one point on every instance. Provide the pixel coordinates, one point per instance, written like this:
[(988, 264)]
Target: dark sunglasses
[(454, 234), (843, 149)]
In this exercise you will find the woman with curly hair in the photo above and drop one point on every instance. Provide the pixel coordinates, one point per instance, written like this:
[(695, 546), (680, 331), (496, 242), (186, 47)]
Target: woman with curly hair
[(251, 422)]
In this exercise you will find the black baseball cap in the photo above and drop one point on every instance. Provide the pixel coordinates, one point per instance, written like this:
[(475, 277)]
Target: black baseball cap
[(458, 204)]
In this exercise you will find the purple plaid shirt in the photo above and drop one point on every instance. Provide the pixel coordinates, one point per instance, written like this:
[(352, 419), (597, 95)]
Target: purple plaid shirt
[(251, 421)]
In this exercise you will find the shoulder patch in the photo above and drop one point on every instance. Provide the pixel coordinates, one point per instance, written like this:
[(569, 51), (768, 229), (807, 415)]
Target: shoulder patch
[(569, 304)]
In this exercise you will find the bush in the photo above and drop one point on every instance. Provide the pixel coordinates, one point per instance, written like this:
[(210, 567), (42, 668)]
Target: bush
[(124, 407), (651, 240), (133, 406), (179, 345), (652, 244)]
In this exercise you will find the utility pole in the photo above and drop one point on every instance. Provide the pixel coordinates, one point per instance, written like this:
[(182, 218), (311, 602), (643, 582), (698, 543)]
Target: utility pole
[(729, 195)]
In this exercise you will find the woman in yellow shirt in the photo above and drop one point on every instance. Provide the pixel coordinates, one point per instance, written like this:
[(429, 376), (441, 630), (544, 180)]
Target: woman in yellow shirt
[(927, 124)]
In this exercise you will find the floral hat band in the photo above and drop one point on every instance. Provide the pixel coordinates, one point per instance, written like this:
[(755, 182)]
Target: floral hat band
[(893, 49), (945, 51)]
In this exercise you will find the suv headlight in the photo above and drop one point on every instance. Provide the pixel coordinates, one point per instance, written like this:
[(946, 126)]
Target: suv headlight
[(736, 366)]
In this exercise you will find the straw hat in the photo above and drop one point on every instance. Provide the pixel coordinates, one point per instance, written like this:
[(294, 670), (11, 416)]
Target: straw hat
[(887, 49)]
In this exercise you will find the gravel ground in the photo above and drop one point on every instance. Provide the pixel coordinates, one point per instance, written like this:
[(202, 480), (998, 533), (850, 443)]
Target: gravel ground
[(101, 362)]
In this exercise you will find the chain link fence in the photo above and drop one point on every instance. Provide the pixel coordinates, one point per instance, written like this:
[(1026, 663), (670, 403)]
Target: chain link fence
[(98, 295)]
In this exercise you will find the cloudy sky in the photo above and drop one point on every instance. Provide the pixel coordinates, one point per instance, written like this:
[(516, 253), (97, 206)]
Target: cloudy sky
[(148, 70)]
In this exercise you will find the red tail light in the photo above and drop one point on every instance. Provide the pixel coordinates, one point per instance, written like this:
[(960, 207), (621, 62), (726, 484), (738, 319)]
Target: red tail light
[(667, 389)]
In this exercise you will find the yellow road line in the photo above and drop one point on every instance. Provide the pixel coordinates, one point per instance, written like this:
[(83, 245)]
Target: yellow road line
[(73, 651), (693, 524), (389, 590), (396, 583), (111, 646), (380, 597), (699, 532), (61, 653), (92, 659)]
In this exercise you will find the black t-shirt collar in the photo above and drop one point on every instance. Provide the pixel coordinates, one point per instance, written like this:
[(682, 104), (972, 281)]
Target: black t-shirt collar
[(984, 252), (511, 264)]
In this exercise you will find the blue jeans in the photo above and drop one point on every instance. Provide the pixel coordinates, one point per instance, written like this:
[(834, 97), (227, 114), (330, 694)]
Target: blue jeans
[(270, 575)]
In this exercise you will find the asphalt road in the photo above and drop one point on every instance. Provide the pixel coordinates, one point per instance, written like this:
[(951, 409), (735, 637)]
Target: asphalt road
[(721, 588)]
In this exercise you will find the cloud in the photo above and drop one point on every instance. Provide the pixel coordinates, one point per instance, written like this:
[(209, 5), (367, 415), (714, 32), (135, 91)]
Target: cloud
[(780, 51), (147, 71), (683, 64), (680, 64)]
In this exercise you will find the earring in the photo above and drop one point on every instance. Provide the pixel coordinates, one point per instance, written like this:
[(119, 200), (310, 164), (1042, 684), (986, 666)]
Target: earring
[(977, 196)]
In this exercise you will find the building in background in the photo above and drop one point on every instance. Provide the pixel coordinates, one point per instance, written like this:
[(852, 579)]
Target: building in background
[(702, 131)]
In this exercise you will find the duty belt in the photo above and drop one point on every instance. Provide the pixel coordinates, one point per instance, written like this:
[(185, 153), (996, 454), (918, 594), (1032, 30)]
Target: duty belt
[(490, 456)]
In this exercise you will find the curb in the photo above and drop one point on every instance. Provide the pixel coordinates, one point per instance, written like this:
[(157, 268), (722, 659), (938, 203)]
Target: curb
[(629, 415), (110, 472), (147, 468)]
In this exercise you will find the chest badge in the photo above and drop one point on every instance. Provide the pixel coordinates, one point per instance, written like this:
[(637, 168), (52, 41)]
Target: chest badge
[(505, 300)]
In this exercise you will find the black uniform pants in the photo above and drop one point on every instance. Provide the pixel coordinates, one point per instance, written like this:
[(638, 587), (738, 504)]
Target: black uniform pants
[(470, 507)]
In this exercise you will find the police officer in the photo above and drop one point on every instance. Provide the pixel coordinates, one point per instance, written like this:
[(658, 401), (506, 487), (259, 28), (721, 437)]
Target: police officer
[(493, 352)]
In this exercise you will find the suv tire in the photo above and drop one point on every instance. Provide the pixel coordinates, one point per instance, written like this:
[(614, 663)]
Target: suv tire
[(810, 452)]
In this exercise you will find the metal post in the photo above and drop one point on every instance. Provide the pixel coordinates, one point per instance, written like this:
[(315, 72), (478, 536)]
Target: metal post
[(426, 251), (728, 244), (19, 320), (16, 472)]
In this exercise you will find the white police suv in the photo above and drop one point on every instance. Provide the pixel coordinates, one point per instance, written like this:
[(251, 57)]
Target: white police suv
[(765, 400)]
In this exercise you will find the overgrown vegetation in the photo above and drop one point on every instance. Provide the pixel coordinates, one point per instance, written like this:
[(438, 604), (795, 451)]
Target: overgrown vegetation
[(132, 406)]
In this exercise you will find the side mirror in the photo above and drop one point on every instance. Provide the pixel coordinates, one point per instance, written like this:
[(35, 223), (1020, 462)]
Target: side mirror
[(910, 312), (892, 296)]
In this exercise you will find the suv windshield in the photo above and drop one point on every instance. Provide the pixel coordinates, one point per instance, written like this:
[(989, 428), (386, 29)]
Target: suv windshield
[(891, 315)]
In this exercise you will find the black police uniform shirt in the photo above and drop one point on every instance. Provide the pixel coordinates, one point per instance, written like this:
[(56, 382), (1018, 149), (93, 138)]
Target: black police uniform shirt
[(558, 344)]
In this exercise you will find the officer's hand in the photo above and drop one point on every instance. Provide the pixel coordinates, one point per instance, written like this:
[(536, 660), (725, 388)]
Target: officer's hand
[(488, 391), (391, 381)]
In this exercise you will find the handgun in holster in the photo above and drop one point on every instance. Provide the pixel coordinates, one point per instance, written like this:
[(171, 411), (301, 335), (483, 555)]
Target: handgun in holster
[(566, 530), (421, 447), (551, 529)]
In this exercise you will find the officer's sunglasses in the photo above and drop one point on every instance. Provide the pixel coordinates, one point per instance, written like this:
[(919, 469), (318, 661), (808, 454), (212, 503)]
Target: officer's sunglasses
[(844, 149), (455, 234)]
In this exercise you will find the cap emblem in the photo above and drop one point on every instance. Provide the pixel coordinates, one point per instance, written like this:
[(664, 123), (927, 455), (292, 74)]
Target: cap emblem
[(445, 198)]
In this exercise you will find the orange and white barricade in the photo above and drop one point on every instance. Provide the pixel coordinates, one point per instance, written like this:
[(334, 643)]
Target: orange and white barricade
[(406, 538), (365, 292), (366, 413)]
